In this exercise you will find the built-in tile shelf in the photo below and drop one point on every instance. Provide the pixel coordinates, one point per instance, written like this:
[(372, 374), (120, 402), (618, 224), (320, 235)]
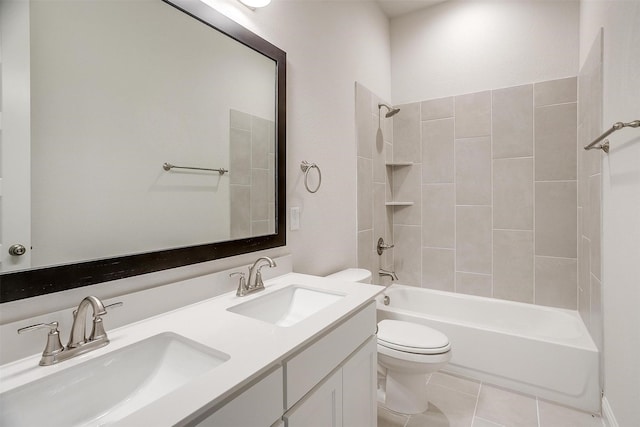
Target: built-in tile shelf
[(399, 203), (399, 164), (394, 165)]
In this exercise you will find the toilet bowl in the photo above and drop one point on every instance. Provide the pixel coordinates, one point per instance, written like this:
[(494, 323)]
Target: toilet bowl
[(407, 353)]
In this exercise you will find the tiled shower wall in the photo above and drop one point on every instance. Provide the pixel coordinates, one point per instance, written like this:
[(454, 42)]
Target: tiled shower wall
[(374, 149), (494, 187), (589, 192), (252, 175)]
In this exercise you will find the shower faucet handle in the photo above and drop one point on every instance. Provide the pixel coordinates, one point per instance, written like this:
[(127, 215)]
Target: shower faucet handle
[(382, 246)]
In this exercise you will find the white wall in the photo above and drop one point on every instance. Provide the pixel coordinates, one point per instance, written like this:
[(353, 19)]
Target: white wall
[(459, 47), (621, 201)]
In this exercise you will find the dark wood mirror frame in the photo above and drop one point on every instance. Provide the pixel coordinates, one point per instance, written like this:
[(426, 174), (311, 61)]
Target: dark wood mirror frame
[(30, 283)]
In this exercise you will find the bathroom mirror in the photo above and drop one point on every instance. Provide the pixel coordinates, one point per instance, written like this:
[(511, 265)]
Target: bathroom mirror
[(150, 135)]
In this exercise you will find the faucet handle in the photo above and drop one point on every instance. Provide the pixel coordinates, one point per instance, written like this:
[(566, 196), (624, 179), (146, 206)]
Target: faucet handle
[(53, 345), (114, 305), (242, 284), (98, 332)]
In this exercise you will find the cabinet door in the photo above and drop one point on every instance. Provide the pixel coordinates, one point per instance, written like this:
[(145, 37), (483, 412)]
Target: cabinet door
[(359, 383), (322, 407), (260, 405)]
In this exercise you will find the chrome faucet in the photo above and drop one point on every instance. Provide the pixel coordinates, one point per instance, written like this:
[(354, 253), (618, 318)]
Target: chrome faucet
[(391, 274), (254, 283), (78, 335), (54, 352)]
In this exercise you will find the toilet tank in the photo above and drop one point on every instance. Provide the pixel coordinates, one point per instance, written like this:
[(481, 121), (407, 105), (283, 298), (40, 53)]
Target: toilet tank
[(352, 275)]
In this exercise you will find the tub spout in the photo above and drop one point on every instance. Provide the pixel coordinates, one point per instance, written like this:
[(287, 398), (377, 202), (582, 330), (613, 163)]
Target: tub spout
[(391, 274)]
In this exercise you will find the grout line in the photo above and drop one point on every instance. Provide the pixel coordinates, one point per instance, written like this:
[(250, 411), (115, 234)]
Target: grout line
[(538, 410), (554, 105), (556, 257), (491, 184), (533, 192), (455, 207), (477, 274), (475, 409)]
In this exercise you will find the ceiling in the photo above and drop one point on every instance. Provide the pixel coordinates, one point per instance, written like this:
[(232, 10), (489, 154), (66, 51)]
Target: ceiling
[(394, 8)]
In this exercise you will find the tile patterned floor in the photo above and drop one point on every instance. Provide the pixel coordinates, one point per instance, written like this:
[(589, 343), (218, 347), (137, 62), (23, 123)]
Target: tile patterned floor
[(458, 402)]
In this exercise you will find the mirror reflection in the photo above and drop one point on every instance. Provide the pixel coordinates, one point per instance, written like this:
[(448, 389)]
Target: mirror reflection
[(117, 89)]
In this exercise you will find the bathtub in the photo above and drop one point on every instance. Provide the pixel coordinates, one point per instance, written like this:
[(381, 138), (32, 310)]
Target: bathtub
[(537, 350)]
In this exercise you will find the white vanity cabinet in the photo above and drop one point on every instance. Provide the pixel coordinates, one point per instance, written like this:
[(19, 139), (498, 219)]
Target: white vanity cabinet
[(330, 382), (259, 405), (333, 381)]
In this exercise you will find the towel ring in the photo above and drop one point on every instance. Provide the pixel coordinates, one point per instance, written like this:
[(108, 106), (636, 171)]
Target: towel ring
[(306, 167)]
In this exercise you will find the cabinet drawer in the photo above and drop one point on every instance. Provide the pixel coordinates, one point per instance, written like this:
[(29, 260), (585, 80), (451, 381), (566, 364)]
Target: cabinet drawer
[(306, 369), (260, 405)]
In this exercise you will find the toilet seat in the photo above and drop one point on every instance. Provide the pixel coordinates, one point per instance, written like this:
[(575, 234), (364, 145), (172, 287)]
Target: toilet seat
[(410, 337)]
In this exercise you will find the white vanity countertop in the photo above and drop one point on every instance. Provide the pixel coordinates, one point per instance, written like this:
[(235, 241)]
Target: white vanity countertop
[(254, 346)]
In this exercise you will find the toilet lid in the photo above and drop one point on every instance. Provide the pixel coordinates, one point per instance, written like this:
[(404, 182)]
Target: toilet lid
[(411, 337)]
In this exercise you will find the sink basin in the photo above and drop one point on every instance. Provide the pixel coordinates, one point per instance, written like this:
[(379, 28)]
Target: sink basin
[(106, 389), (287, 306)]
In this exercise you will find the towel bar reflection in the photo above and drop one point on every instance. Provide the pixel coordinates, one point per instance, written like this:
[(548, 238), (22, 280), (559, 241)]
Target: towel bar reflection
[(605, 145), (169, 166)]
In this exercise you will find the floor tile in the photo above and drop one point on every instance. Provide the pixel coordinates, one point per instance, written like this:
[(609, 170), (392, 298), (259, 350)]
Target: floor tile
[(552, 415), (481, 422), (447, 408), (463, 385), (507, 408), (388, 418)]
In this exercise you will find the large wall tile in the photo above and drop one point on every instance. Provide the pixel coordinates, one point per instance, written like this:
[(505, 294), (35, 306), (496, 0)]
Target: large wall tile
[(555, 142), (438, 151), (259, 195), (473, 239), (240, 156), (260, 142), (406, 133), (473, 114), (437, 108), (365, 194), (556, 282), (555, 218), (513, 265), (513, 194), (382, 224), (556, 91), (473, 171), (407, 253), (474, 284), (438, 269), (512, 122), (379, 158), (240, 221), (365, 251), (438, 211)]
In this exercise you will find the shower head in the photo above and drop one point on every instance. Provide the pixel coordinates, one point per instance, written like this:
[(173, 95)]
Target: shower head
[(390, 110)]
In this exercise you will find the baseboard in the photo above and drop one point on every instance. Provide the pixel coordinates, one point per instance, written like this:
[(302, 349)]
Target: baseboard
[(608, 417)]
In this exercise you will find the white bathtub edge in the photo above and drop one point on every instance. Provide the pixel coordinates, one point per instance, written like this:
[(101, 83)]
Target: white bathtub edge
[(608, 418), (583, 403)]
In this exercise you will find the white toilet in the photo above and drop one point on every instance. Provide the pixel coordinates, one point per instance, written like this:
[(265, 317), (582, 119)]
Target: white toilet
[(407, 353)]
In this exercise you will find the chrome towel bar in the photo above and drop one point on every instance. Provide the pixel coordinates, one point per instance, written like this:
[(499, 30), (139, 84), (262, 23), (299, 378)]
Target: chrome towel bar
[(605, 145), (169, 166)]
